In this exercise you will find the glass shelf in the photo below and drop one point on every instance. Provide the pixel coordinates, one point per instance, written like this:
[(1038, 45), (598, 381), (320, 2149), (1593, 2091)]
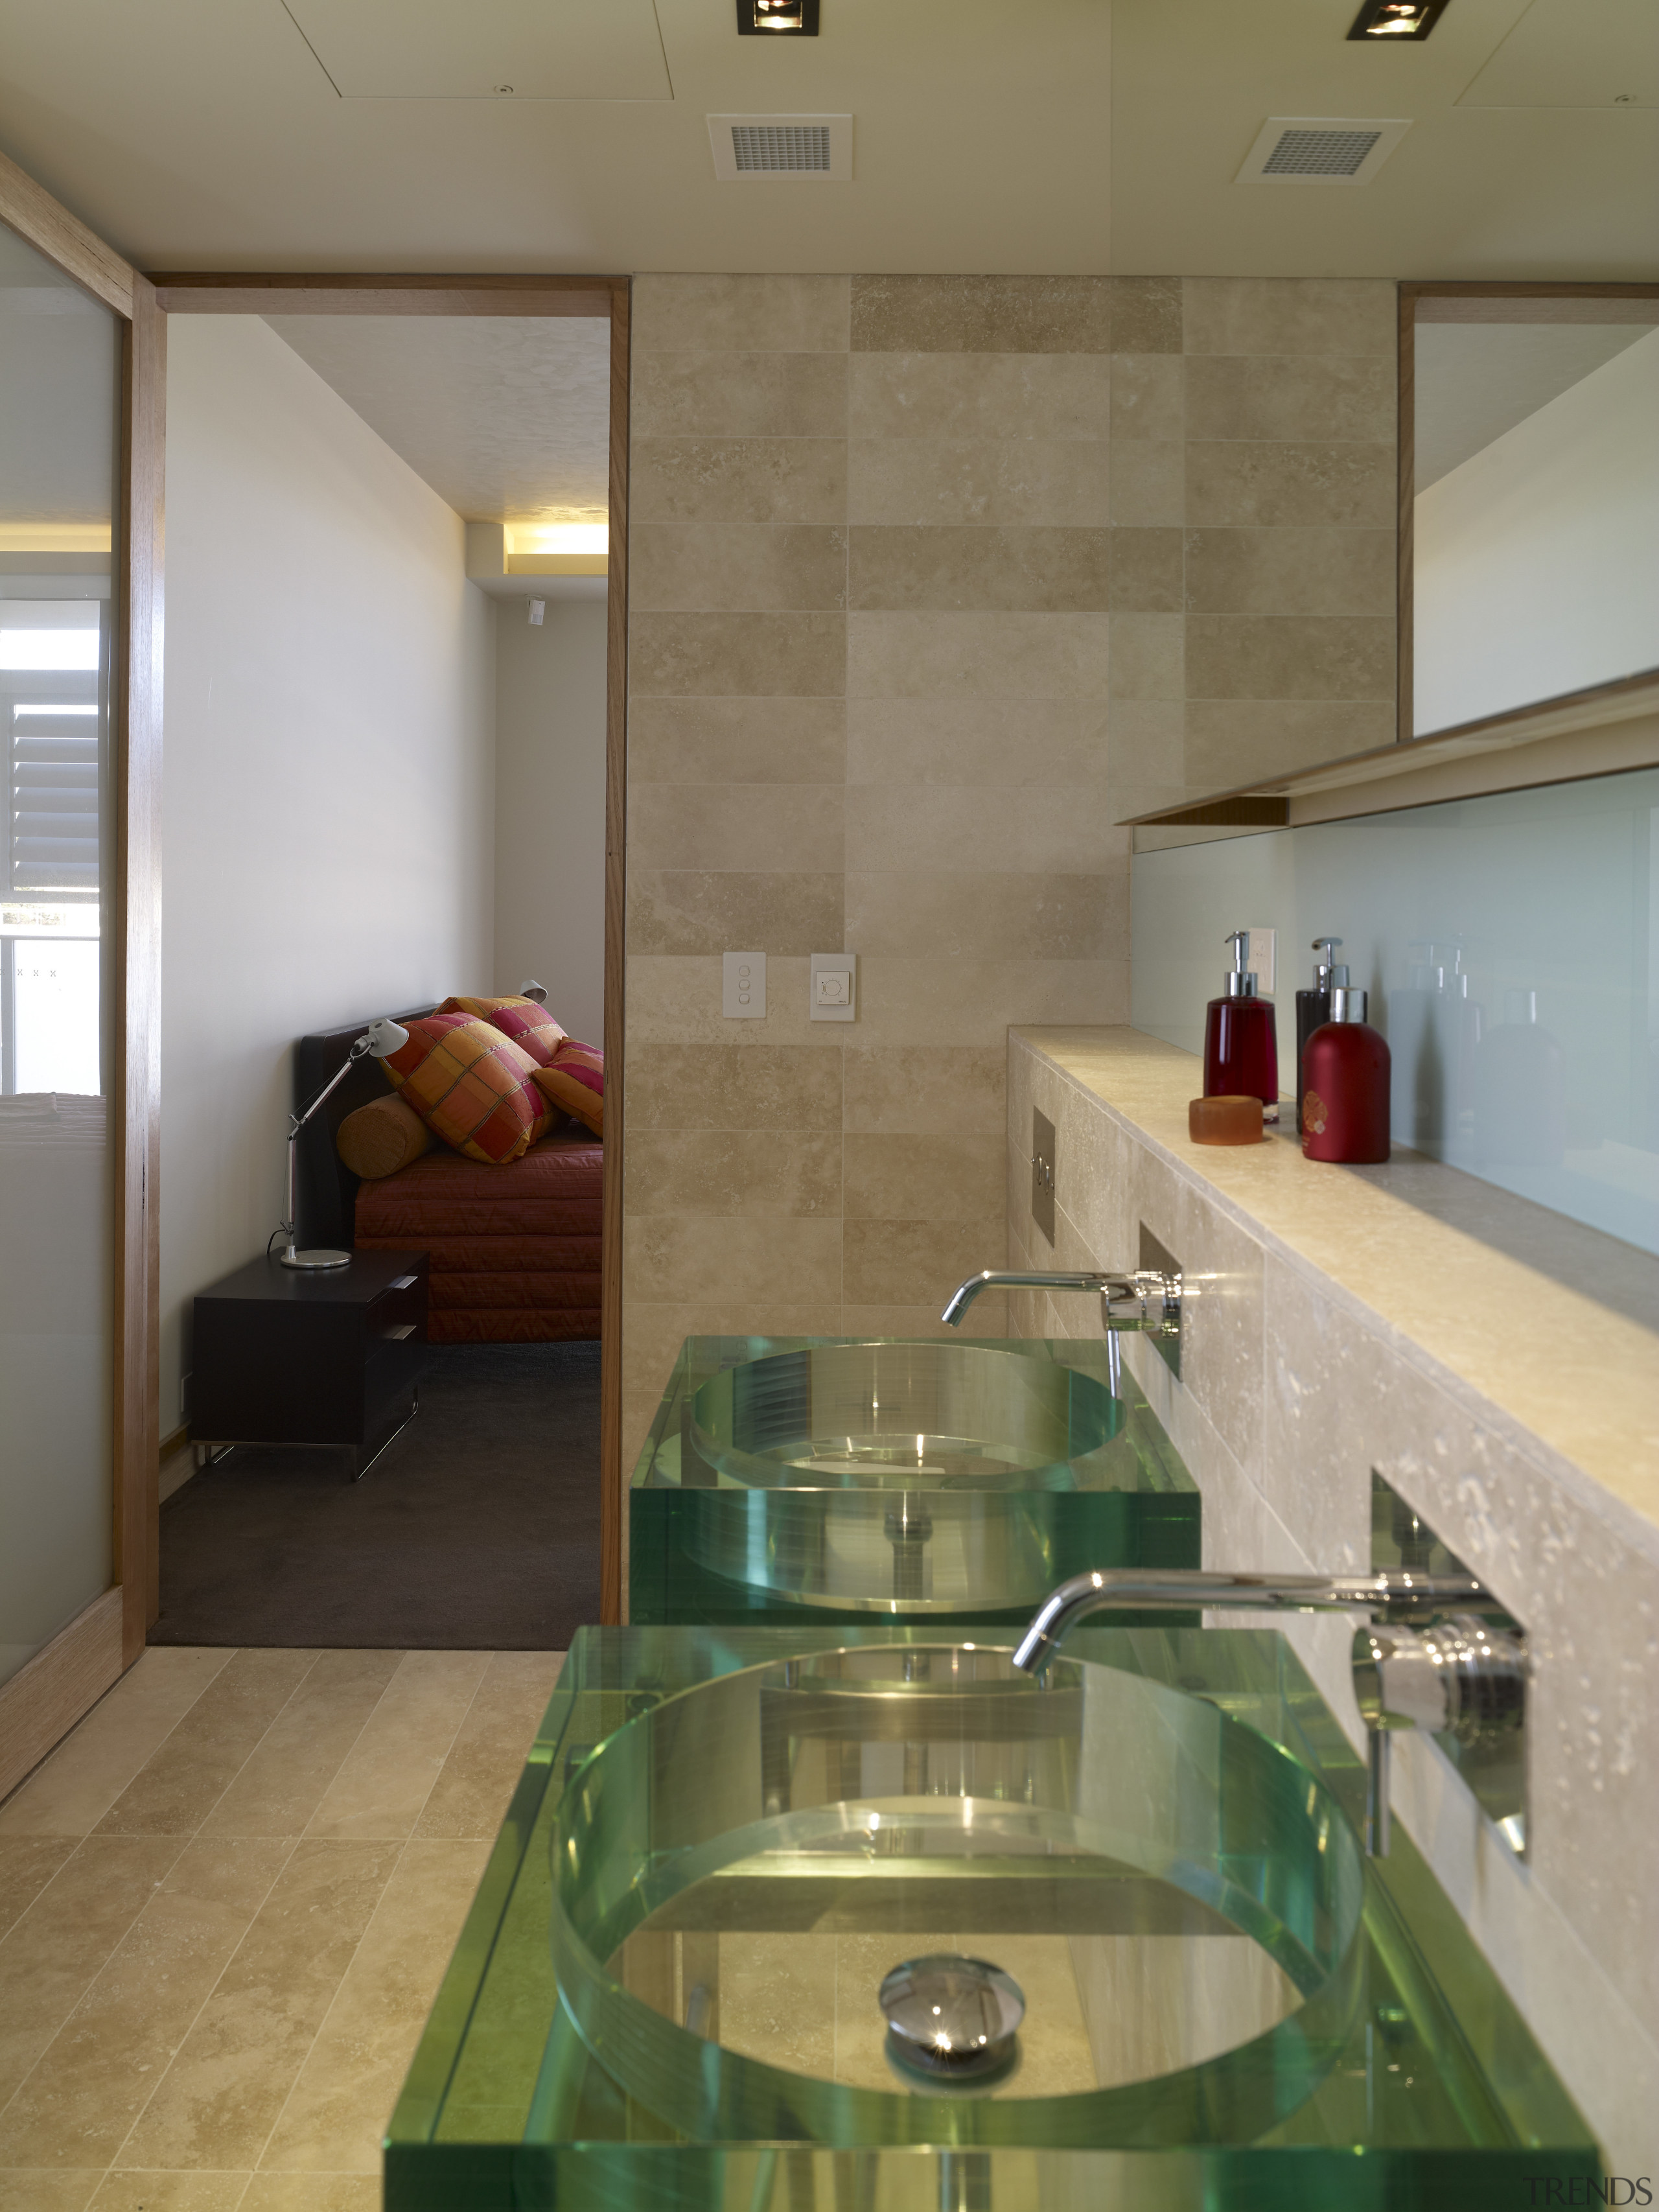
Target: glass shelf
[(664, 1996), (846, 1479)]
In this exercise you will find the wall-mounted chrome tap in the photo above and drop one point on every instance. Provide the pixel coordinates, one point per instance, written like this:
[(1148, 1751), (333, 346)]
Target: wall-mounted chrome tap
[(1146, 1299), (1455, 1672)]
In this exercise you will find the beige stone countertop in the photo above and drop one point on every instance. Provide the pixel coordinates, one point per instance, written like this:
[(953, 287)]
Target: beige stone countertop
[(1550, 1327)]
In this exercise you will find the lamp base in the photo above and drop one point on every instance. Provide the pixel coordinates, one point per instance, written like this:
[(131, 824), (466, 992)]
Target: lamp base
[(316, 1261)]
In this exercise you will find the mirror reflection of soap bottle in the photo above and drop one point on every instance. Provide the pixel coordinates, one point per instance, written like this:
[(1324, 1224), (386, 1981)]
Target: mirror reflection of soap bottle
[(1240, 1035), (1345, 1105), (1313, 1007), (1423, 1050), (1519, 1089), (1469, 1024)]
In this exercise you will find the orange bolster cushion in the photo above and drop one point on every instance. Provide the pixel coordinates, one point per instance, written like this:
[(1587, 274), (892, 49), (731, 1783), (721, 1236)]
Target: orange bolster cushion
[(382, 1136), (471, 1085), (530, 1027), (575, 1082)]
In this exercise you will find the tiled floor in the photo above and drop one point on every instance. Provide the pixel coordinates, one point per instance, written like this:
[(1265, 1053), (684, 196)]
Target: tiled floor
[(225, 1904)]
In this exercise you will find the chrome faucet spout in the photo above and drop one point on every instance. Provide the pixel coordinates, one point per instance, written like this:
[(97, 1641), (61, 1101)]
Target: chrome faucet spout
[(1118, 1588), (1142, 1299), (1457, 1674)]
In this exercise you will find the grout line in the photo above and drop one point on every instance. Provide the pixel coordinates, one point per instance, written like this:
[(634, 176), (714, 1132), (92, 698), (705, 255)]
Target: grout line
[(397, 1868), (345, 1756), (259, 2166), (6, 2103), (293, 1844)]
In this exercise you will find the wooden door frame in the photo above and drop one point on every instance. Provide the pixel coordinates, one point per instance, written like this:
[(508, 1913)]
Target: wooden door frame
[(379, 293), (45, 1698), (1435, 302)]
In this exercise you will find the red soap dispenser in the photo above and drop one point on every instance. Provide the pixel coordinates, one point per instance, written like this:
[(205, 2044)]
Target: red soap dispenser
[(1240, 1037), (1345, 1100)]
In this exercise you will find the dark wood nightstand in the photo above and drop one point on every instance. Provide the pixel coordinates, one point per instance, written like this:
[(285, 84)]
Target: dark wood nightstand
[(285, 1358)]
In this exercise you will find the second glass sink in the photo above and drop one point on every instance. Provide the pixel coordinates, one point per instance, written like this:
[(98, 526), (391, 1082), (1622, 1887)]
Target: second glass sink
[(843, 1478)]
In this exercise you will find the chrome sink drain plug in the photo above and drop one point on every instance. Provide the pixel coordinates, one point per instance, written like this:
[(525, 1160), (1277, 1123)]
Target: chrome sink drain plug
[(950, 2018)]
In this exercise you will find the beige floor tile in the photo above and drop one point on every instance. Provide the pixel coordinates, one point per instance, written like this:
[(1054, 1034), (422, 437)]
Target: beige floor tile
[(78, 2104), (136, 2190), (313, 2192), (62, 2190), (219, 2099), (284, 1781), (28, 1863), (76, 1786), (338, 2109), (174, 1791), (476, 1781), (386, 1778), (49, 1958)]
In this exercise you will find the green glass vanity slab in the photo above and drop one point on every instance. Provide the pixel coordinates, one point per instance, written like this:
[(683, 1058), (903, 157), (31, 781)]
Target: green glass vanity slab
[(849, 1479), (1397, 2074)]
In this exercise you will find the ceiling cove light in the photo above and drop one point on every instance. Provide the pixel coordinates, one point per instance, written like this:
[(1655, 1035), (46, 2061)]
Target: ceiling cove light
[(1397, 19), (800, 16)]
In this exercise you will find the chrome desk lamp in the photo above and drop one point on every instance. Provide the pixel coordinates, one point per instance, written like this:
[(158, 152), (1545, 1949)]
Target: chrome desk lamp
[(380, 1038), (535, 991)]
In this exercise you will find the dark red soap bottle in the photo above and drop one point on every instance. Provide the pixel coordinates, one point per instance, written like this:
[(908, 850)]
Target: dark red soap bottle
[(1240, 1037), (1344, 1098)]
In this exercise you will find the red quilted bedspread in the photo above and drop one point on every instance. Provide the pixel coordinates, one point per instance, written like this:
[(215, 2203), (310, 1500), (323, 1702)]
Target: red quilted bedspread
[(513, 1250)]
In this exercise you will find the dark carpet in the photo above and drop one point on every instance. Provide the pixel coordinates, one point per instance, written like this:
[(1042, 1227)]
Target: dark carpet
[(478, 1530)]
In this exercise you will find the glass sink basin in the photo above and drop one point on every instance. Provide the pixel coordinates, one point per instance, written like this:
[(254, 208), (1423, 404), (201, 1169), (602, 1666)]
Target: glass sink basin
[(846, 1479), (737, 1869), (666, 1994)]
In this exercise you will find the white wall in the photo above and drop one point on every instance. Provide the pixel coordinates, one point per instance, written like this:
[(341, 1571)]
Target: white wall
[(1537, 561), (550, 807), (329, 798)]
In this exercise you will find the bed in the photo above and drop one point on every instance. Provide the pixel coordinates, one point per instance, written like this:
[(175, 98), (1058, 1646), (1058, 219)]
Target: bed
[(513, 1251)]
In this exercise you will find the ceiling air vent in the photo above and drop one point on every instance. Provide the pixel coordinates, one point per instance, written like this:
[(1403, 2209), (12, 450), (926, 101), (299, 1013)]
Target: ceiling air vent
[(1320, 149), (747, 146)]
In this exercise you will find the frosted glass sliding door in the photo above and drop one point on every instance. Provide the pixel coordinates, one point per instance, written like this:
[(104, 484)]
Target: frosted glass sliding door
[(60, 354)]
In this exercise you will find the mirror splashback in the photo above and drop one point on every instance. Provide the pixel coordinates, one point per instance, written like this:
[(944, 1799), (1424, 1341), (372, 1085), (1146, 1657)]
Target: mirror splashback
[(1511, 948)]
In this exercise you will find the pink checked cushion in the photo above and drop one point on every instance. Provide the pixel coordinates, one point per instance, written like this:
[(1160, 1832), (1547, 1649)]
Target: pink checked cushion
[(575, 1082), (473, 1087), (530, 1027)]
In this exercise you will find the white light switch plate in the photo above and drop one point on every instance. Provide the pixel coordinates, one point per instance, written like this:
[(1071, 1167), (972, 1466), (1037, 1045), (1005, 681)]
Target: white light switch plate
[(743, 986), (1260, 959), (834, 987)]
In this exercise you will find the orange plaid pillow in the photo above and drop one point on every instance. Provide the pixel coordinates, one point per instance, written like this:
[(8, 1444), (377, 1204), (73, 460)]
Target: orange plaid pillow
[(530, 1027), (575, 1082), (471, 1085)]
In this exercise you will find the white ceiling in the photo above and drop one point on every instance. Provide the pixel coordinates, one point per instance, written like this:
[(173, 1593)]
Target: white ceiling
[(991, 134), (505, 416), (1474, 381), (534, 49)]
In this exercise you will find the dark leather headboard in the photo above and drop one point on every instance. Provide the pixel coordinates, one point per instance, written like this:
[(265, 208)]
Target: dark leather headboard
[(328, 1189)]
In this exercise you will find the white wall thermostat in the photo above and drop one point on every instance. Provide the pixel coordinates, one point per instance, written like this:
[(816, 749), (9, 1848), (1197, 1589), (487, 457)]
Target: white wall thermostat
[(834, 987)]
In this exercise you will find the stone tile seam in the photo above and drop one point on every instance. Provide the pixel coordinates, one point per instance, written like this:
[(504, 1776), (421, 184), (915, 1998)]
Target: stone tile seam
[(392, 1876), (1550, 1463), (328, 2009), (192, 1837), (208, 1997)]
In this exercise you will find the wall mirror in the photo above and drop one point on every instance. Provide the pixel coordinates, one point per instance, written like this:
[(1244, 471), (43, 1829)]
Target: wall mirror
[(1529, 422), (1526, 619)]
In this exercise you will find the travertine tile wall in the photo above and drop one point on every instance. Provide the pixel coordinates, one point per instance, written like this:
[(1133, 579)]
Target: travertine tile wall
[(933, 581), (1290, 1392)]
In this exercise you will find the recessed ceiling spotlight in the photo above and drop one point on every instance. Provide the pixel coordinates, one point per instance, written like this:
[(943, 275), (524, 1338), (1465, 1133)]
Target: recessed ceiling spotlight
[(800, 16), (1397, 19)]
